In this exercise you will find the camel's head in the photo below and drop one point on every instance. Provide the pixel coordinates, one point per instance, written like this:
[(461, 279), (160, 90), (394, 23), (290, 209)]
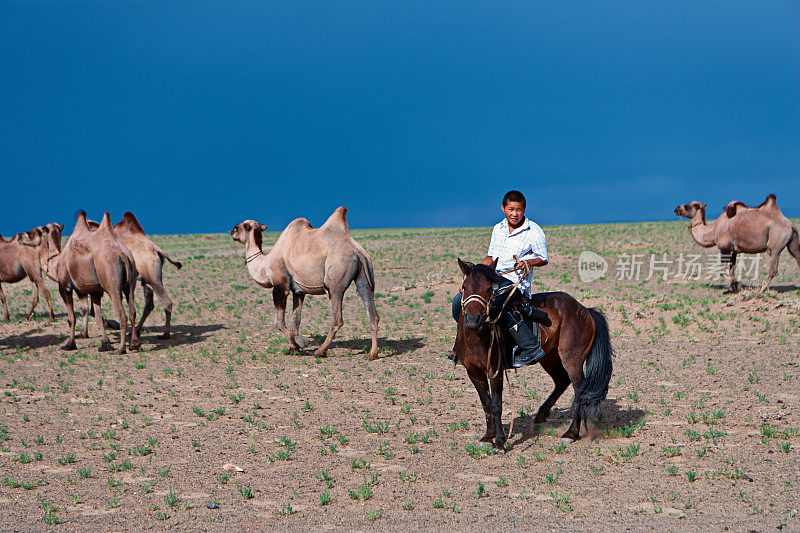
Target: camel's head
[(53, 232), (34, 237), (241, 232), (690, 210)]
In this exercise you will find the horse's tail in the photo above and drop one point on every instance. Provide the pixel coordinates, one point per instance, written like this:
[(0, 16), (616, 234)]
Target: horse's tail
[(594, 388)]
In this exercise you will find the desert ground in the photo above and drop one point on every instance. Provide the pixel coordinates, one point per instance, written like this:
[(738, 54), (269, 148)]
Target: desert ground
[(700, 429)]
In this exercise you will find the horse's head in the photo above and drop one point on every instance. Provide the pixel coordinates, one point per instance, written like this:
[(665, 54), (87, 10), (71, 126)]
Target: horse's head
[(478, 292)]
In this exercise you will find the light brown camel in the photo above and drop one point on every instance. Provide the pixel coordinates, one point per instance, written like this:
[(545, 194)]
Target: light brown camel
[(17, 262), (743, 229), (305, 261), (149, 259), (47, 239), (94, 262)]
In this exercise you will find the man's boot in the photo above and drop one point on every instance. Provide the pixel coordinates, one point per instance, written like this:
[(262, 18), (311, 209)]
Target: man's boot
[(528, 350)]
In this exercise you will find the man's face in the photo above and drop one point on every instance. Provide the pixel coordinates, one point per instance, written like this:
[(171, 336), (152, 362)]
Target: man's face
[(514, 212)]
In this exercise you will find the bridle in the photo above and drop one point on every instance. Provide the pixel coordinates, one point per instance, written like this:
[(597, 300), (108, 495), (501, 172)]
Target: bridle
[(252, 256), (498, 291), (486, 304)]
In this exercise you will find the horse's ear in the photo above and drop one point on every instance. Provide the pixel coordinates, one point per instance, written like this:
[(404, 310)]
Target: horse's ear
[(493, 265), (263, 227), (465, 268)]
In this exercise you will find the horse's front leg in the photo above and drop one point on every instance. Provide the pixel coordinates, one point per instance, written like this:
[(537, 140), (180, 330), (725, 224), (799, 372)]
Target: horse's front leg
[(497, 411), (482, 386)]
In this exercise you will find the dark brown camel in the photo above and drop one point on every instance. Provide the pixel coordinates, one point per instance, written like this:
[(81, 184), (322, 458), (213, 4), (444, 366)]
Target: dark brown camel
[(17, 262)]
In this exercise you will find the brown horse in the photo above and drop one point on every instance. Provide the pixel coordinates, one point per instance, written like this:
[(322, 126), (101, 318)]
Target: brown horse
[(571, 336)]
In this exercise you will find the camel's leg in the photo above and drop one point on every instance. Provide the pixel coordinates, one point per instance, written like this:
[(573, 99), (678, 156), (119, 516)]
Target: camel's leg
[(5, 306), (87, 311), (66, 295), (105, 344), (553, 366), (336, 320), (116, 301), (130, 297), (367, 295), (297, 313), (34, 302), (148, 305), (279, 301), (478, 379), (166, 301), (794, 246), (39, 283), (774, 258), (734, 285)]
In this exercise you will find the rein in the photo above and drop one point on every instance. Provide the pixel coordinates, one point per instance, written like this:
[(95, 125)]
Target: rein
[(487, 304), (252, 256)]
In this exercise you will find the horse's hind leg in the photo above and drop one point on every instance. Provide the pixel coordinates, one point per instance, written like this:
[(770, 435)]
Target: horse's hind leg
[(573, 364), (482, 386), (560, 377)]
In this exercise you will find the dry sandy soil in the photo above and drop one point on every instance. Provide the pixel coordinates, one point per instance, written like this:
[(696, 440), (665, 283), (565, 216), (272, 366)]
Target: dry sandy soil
[(700, 429)]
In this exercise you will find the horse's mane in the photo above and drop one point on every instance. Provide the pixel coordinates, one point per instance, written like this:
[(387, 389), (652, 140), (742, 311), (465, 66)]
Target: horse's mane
[(487, 272)]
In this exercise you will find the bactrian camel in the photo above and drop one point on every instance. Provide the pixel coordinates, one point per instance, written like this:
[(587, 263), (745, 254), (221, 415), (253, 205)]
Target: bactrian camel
[(149, 259), (93, 263), (17, 262), (305, 261), (743, 229), (47, 240)]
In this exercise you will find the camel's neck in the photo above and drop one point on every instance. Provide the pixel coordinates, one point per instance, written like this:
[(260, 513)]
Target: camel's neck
[(702, 233), (258, 263)]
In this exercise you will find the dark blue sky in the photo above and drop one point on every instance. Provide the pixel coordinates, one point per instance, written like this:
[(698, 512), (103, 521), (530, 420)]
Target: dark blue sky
[(196, 115)]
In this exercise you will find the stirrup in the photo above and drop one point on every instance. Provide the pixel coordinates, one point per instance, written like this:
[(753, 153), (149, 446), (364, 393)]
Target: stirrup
[(529, 357)]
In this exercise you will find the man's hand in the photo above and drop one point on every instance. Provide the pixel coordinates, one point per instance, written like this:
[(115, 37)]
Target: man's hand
[(530, 263)]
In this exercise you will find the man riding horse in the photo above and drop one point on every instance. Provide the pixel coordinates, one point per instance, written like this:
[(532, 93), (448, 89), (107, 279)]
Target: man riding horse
[(518, 244)]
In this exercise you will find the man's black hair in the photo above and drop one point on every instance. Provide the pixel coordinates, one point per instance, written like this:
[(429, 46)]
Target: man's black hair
[(514, 196)]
